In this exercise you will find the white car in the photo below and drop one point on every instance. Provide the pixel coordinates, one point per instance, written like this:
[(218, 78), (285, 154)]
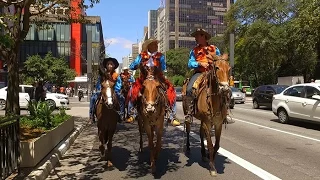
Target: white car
[(24, 98), (300, 101), (57, 100), (54, 99)]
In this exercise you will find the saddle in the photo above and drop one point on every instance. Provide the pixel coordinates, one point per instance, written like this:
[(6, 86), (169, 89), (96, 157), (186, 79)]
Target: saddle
[(197, 86)]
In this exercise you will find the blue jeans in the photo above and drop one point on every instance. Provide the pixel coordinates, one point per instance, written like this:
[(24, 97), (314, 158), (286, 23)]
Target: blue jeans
[(93, 101), (191, 82), (121, 100), (174, 111)]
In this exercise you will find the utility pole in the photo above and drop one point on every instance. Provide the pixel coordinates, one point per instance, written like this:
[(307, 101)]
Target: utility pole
[(176, 23), (89, 63), (231, 39)]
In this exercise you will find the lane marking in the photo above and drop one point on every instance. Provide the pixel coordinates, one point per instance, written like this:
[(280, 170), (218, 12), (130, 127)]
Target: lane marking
[(277, 130), (238, 160)]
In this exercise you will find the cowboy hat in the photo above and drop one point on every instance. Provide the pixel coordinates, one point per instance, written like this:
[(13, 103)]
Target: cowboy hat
[(147, 43), (125, 68), (114, 60), (201, 31)]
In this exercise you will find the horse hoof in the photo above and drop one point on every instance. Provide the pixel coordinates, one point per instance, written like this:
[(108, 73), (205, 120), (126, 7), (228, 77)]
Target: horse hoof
[(109, 164), (213, 173)]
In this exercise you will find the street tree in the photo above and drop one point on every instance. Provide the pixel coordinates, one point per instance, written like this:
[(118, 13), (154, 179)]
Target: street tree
[(51, 69), (272, 40), (15, 21)]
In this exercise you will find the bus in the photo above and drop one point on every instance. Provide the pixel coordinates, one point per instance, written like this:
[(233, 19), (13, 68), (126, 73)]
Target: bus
[(246, 85)]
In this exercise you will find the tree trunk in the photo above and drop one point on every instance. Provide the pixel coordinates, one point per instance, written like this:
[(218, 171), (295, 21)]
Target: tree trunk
[(12, 103)]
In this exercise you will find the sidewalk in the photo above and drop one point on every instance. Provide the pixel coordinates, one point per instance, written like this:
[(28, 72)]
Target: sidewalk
[(81, 120)]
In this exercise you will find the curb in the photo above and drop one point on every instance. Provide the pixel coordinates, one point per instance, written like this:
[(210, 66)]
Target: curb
[(43, 171)]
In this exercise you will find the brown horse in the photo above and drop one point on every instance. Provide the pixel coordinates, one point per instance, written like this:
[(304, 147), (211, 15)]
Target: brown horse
[(151, 111), (211, 107), (124, 91), (108, 117)]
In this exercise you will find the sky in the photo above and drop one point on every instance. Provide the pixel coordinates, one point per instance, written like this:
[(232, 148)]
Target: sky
[(122, 23)]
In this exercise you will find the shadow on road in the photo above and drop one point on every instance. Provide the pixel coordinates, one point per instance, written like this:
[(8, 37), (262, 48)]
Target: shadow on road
[(85, 161)]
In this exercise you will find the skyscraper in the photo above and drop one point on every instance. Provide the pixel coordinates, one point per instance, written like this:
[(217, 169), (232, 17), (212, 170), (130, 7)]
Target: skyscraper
[(152, 22), (193, 14)]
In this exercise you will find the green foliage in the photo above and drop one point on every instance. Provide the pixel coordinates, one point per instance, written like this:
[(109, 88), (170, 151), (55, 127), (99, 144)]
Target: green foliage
[(50, 69), (42, 117), (274, 38), (177, 80), (177, 62)]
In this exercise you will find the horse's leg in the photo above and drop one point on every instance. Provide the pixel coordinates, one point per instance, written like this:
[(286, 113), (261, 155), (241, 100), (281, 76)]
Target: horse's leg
[(159, 132), (188, 136), (150, 134), (109, 146), (140, 132), (203, 149), (102, 141), (207, 130), (217, 131)]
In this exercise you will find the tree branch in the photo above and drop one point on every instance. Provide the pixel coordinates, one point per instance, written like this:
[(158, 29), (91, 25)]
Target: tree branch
[(26, 19), (45, 8)]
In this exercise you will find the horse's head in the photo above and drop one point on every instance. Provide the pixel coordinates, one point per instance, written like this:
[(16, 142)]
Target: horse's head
[(221, 69), (150, 96), (107, 93)]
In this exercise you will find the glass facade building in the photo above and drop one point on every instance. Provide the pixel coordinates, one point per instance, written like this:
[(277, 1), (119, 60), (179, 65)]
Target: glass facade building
[(193, 14), (57, 37)]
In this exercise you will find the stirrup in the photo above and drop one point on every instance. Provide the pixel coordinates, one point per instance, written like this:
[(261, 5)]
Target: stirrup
[(188, 118)]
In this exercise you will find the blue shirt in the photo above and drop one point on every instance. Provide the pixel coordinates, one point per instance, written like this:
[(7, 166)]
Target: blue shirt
[(193, 64), (137, 61)]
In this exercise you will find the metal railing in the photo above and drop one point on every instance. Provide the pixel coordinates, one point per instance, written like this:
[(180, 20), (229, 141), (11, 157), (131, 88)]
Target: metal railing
[(9, 146)]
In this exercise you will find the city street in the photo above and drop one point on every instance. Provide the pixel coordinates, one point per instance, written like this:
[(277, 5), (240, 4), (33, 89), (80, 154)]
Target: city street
[(256, 146)]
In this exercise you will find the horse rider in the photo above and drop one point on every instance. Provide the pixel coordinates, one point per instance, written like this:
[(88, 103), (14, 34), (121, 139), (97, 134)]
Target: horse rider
[(151, 57), (126, 77), (198, 61), (108, 66)]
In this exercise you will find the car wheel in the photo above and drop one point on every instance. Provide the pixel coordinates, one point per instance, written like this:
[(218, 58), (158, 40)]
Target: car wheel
[(255, 104), (51, 103), (283, 116), (2, 104)]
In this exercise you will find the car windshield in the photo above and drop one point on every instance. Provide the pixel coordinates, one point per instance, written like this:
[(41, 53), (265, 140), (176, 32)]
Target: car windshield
[(235, 89), (279, 89), (178, 89)]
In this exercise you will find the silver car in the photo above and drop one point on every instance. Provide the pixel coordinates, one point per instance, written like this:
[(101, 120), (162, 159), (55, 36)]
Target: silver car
[(178, 93), (238, 96)]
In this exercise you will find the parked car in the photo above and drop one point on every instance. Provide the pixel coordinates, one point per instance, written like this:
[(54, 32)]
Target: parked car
[(178, 93), (300, 101), (262, 96), (24, 98), (54, 99), (238, 96)]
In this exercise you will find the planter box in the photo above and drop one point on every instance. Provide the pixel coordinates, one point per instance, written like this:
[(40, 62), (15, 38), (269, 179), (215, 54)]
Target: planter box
[(34, 151)]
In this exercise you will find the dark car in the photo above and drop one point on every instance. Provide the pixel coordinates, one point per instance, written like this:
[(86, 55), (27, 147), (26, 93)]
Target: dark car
[(178, 93), (262, 95)]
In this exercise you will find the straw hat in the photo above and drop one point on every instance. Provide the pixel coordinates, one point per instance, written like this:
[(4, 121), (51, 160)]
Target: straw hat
[(147, 43), (201, 31)]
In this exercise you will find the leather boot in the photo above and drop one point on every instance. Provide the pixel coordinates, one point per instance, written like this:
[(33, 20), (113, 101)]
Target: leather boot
[(189, 103)]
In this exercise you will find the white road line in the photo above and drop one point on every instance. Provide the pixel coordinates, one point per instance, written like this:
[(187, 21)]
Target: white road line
[(285, 132), (243, 163)]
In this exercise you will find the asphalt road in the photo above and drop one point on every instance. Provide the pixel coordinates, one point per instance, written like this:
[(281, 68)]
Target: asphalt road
[(256, 146)]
